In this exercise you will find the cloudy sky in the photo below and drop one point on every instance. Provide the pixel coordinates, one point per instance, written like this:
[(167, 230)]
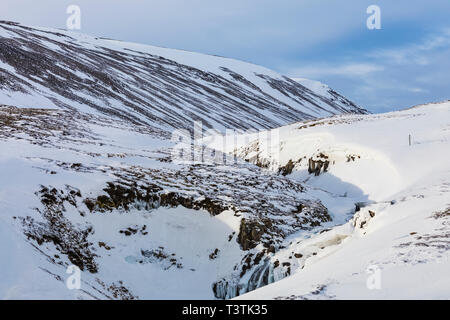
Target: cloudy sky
[(406, 62)]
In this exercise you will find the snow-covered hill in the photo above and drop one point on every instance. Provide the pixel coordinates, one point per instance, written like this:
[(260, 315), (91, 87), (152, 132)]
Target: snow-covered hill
[(395, 167), (163, 88)]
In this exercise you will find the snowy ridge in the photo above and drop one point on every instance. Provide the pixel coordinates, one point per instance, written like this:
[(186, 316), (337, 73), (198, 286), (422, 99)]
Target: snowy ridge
[(164, 88), (320, 88)]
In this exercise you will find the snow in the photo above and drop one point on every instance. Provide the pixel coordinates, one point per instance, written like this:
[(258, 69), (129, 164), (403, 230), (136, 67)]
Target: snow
[(33, 156), (181, 231), (405, 185)]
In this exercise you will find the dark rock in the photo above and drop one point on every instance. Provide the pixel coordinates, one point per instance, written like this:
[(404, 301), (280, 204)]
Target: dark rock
[(250, 233), (316, 166), (287, 169), (214, 254)]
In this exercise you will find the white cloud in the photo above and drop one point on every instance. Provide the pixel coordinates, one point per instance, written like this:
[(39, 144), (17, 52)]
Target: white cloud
[(417, 90), (346, 70), (391, 78), (415, 53)]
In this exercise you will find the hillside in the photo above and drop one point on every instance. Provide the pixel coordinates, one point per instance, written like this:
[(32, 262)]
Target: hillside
[(163, 88), (401, 191)]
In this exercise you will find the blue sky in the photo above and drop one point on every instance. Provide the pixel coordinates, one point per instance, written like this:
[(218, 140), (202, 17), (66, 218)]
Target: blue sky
[(405, 63)]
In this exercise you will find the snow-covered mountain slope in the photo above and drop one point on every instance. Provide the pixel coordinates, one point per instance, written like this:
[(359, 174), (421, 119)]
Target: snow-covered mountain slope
[(321, 89), (397, 243), (163, 88)]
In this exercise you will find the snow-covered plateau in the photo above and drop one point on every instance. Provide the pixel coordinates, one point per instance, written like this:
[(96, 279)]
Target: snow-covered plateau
[(339, 204)]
